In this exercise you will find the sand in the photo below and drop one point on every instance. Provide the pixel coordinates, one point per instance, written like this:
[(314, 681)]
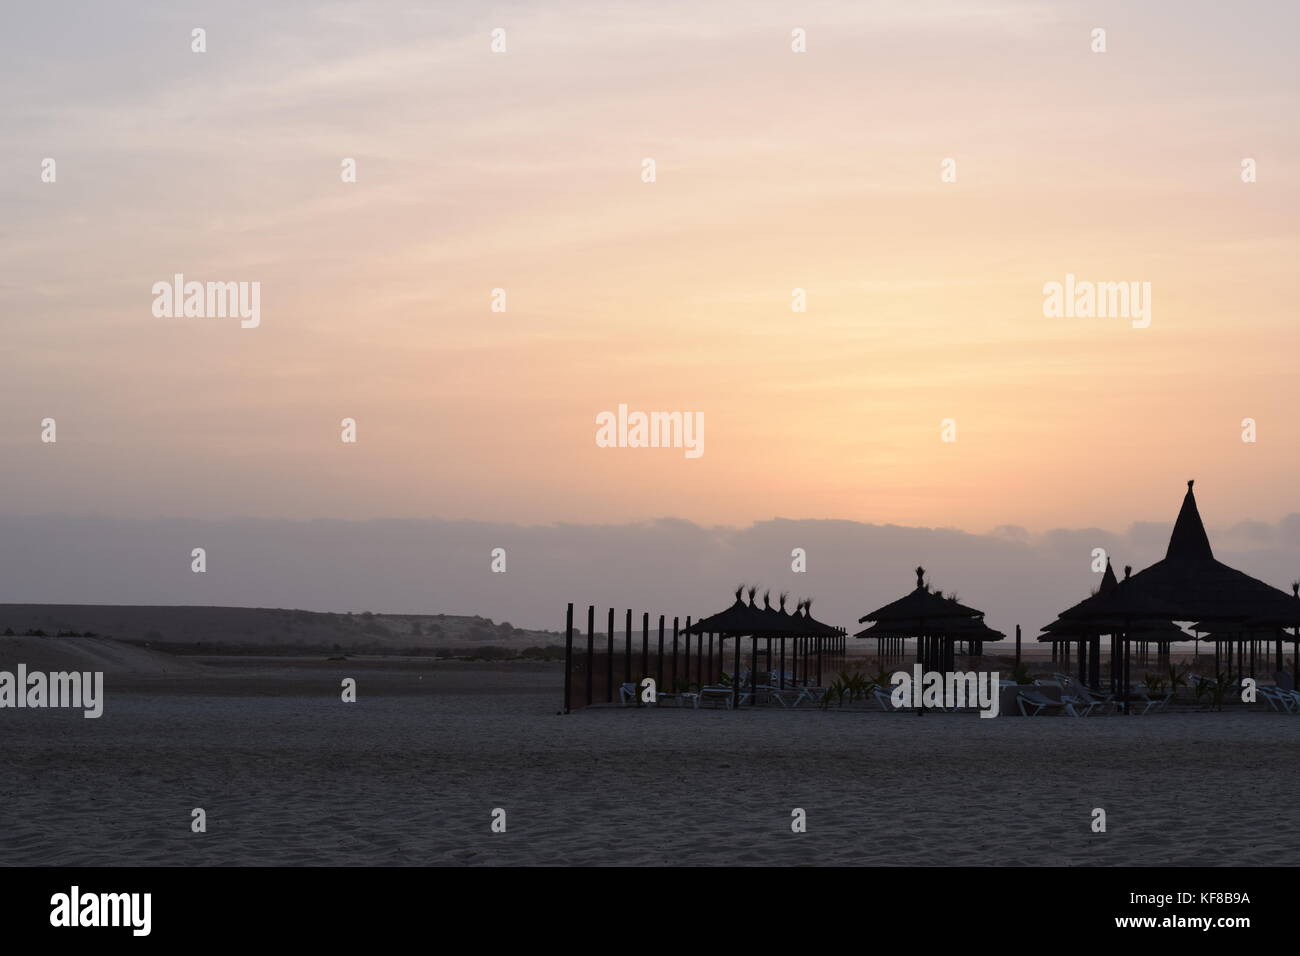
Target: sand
[(410, 774)]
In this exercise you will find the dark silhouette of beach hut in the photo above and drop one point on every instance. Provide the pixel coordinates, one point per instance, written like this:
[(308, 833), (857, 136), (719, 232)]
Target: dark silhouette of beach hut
[(1088, 634), (1188, 584), (769, 623), (934, 620), (737, 621), (817, 634)]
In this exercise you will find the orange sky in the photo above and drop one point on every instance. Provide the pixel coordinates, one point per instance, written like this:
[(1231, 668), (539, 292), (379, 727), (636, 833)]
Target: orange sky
[(775, 170)]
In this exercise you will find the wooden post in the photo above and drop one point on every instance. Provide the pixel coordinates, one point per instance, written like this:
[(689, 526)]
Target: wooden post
[(627, 656), (1018, 645), (645, 647), (687, 680), (609, 660), (568, 656), (699, 655), (659, 665), (591, 647), (753, 671), (735, 677), (781, 675)]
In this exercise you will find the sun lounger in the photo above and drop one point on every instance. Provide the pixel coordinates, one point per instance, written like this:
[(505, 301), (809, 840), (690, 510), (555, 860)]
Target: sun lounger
[(1031, 698), (627, 693), (1283, 701), (1085, 696), (886, 701), (725, 695)]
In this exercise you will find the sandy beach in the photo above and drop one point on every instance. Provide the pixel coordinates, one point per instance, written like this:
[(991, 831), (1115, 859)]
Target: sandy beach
[(410, 774)]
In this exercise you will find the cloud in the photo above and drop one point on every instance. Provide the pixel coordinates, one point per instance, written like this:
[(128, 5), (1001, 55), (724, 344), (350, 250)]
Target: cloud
[(666, 566)]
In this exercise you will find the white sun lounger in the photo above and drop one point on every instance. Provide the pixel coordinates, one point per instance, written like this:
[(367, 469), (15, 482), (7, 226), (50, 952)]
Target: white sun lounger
[(1283, 701), (1038, 701)]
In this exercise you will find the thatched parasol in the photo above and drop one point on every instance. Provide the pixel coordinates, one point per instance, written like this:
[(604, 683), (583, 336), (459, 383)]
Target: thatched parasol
[(926, 615)]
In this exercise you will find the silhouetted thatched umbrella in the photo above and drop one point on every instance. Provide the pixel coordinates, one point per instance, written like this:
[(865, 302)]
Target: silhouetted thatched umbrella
[(927, 615), (1187, 585)]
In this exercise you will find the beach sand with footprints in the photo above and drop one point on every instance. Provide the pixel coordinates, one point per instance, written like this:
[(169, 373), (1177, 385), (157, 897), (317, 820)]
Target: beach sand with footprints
[(411, 772)]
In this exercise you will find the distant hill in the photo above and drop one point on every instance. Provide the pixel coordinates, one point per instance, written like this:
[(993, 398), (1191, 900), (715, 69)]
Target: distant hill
[(216, 630)]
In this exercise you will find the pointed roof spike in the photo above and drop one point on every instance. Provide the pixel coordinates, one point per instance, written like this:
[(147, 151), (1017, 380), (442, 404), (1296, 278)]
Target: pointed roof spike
[(920, 577), (784, 595), (767, 599), (1128, 570), (1108, 579), (1189, 542)]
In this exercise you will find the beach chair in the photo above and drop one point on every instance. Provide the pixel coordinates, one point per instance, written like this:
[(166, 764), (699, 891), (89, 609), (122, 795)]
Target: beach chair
[(715, 695), (1140, 697), (885, 701), (789, 696), (627, 693), (1076, 705), (1283, 701), (1101, 703), (1040, 703)]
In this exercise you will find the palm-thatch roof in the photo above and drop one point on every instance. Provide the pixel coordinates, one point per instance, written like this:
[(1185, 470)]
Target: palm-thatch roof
[(922, 606), (748, 619), (739, 619), (1200, 588)]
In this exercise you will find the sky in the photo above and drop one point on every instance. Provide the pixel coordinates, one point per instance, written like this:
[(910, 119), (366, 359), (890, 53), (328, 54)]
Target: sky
[(774, 171)]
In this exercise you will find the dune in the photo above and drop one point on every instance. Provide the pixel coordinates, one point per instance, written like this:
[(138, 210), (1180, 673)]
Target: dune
[(90, 654)]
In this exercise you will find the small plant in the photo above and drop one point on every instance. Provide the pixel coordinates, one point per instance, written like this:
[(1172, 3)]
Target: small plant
[(1220, 691), (1020, 674), (1200, 689), (1177, 677), (1155, 685), (835, 691)]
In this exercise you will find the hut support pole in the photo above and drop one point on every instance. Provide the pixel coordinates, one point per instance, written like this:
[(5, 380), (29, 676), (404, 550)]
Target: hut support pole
[(675, 677), (609, 659), (781, 676), (568, 656), (659, 659), (591, 647), (627, 655), (735, 677)]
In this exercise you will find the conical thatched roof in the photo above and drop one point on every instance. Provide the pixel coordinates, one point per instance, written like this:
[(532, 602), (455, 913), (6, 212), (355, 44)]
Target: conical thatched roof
[(1199, 587), (1063, 629), (1121, 605), (781, 623), (921, 605), (744, 619), (811, 625), (739, 619), (1189, 584)]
